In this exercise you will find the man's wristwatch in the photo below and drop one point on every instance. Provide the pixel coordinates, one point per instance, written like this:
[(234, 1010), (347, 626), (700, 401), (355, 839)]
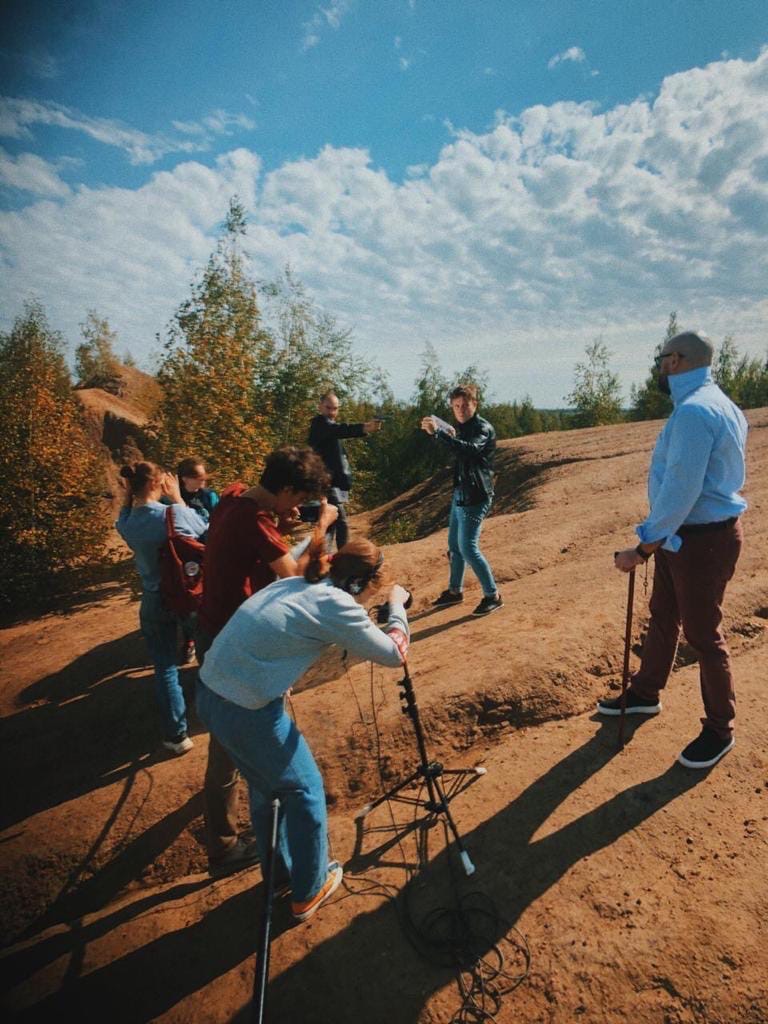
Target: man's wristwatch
[(645, 555)]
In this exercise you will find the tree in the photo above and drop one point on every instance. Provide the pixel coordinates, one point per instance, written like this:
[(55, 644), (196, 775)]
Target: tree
[(52, 517), (96, 364), (213, 406), (743, 379), (309, 353), (647, 402), (596, 395)]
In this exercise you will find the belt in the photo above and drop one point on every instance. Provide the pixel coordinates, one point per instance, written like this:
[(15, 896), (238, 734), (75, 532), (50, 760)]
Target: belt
[(721, 524)]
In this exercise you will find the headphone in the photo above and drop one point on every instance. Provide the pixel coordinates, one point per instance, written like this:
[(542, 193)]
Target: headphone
[(355, 585)]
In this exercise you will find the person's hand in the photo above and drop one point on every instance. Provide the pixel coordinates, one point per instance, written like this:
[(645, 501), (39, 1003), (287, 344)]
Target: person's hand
[(428, 424), (327, 516), (289, 520), (170, 488), (398, 594), (627, 560), (125, 487), (371, 426)]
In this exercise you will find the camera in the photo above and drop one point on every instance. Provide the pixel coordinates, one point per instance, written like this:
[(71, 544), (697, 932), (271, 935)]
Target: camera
[(309, 513), (382, 610)]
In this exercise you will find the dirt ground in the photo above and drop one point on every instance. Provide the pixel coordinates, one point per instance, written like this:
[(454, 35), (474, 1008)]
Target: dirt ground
[(638, 887)]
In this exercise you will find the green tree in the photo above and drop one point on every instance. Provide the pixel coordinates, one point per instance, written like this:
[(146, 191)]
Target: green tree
[(596, 395), (213, 403), (647, 402), (51, 516), (95, 361), (743, 379), (309, 353)]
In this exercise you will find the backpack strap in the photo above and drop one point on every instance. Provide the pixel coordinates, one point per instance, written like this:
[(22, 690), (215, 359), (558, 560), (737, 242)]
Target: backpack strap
[(170, 530), (170, 526)]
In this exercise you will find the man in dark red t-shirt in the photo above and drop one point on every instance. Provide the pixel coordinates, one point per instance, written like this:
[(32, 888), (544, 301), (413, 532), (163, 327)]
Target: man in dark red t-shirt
[(244, 552)]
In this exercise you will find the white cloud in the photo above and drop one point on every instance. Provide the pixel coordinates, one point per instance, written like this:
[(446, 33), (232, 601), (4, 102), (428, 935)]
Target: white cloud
[(573, 53), (549, 228), (30, 173), (17, 116), (330, 16)]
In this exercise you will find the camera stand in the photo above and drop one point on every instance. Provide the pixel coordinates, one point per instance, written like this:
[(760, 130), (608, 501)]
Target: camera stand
[(431, 772)]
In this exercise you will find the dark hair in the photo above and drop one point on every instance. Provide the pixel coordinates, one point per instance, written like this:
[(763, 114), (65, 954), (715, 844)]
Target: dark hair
[(301, 469), (352, 568), (187, 467), (464, 391), (141, 476)]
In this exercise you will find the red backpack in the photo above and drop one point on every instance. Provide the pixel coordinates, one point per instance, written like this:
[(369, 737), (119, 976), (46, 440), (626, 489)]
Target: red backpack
[(181, 570)]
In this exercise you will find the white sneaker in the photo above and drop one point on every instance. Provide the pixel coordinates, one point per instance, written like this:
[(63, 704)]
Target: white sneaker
[(179, 746)]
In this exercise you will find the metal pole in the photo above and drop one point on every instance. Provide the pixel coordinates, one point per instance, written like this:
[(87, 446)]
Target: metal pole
[(261, 977), (627, 643)]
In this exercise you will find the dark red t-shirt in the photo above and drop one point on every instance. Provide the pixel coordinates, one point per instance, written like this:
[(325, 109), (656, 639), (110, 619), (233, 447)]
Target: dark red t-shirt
[(242, 541)]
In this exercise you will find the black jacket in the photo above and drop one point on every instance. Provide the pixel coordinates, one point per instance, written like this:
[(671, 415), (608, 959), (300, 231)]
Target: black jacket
[(474, 447), (325, 437)]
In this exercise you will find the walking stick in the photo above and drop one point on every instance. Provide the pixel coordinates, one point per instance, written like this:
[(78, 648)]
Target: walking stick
[(625, 671), (261, 976)]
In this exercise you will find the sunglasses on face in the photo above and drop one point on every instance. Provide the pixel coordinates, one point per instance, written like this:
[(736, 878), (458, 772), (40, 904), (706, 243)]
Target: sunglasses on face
[(665, 355)]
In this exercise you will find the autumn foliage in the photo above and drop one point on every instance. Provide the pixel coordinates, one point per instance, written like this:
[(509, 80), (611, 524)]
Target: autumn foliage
[(51, 510)]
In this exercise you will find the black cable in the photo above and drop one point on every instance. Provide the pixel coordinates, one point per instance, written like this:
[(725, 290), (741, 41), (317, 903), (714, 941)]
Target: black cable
[(463, 936)]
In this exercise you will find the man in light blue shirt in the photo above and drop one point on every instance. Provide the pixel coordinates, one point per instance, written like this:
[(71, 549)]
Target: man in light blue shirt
[(694, 531)]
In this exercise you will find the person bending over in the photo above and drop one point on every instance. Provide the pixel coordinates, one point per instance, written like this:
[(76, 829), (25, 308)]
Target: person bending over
[(267, 645), (141, 524), (694, 533), (473, 443), (325, 436), (246, 550)]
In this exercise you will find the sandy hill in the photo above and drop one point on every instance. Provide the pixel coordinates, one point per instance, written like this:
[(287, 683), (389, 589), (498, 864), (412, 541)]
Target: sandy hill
[(639, 887)]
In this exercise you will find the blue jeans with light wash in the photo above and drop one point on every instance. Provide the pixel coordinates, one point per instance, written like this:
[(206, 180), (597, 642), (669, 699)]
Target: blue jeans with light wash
[(158, 627), (275, 761), (464, 526)]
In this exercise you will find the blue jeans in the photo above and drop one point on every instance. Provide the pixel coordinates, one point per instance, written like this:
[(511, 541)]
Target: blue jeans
[(464, 526), (275, 761), (158, 627)]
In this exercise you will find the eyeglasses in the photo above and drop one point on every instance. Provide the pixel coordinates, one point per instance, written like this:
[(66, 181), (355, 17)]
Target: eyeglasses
[(664, 355)]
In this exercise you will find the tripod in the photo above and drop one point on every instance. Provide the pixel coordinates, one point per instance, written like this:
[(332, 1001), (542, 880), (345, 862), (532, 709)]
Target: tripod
[(430, 771)]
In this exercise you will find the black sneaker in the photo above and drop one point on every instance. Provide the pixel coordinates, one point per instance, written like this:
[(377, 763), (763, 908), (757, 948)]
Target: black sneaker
[(488, 605), (635, 705), (242, 854), (705, 750), (447, 597)]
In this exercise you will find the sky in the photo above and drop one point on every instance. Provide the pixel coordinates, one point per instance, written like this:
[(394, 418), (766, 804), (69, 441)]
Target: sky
[(507, 180)]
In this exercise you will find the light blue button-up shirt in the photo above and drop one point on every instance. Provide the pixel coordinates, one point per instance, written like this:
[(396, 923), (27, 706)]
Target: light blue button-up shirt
[(697, 466)]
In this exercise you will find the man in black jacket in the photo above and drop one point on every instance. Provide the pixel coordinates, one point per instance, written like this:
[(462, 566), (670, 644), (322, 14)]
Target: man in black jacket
[(474, 444), (325, 436)]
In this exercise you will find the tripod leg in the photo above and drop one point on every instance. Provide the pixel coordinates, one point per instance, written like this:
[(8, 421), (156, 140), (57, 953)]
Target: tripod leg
[(469, 867), (261, 976), (388, 795)]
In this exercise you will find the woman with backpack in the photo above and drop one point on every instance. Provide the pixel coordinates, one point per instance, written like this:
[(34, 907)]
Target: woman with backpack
[(142, 525), (267, 644)]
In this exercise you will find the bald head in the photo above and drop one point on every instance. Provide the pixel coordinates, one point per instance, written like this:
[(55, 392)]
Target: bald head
[(696, 349)]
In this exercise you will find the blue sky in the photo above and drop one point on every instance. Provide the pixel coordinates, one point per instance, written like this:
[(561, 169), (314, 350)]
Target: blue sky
[(507, 180)]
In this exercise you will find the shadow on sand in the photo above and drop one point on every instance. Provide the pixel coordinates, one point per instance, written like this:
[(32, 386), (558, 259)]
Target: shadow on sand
[(392, 985)]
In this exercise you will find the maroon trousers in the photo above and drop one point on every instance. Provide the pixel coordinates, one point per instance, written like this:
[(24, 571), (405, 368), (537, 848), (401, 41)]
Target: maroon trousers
[(688, 589)]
